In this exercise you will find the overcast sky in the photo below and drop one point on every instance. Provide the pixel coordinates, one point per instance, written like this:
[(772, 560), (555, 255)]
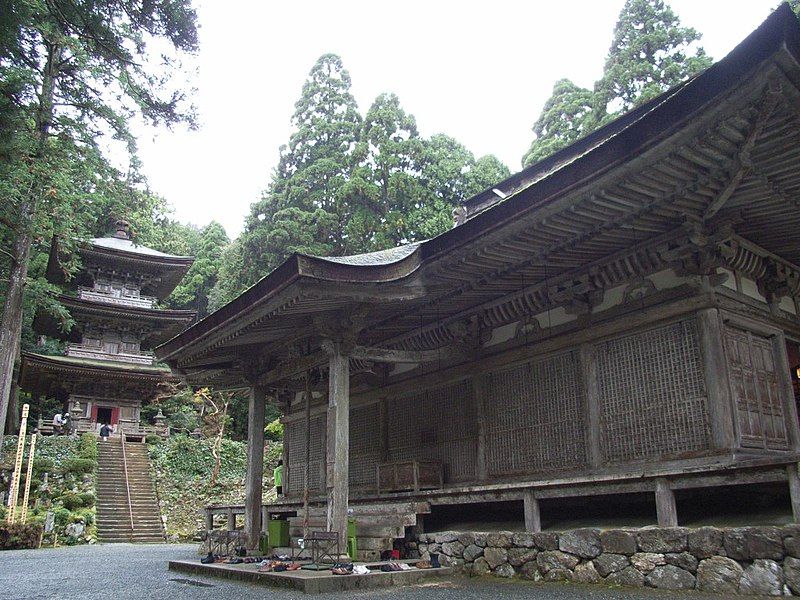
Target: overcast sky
[(478, 71)]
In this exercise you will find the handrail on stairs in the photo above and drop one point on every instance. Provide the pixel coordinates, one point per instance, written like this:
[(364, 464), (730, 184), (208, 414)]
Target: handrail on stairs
[(127, 483)]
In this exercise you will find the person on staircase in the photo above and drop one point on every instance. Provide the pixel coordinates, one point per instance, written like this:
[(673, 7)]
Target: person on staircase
[(105, 431)]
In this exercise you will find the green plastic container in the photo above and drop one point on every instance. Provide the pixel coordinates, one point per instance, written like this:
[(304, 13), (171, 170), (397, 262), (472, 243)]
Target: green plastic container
[(352, 548), (351, 528), (278, 531)]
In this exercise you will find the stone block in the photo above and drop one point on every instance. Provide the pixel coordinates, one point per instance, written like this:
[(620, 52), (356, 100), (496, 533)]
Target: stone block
[(555, 559), (480, 540), (683, 560), (749, 543), (546, 541), (501, 539), (629, 576), (454, 549), (719, 575), (581, 542), (791, 546), (472, 552), (495, 556), (647, 561), (662, 539), (608, 563), (505, 570), (466, 539), (705, 542), (617, 541), (444, 537), (525, 540), (558, 575), (519, 556), (762, 578), (480, 567), (670, 577), (791, 573), (586, 573), (530, 571)]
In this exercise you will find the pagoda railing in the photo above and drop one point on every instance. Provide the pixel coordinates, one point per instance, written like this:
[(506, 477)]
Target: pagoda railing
[(95, 353), (85, 293)]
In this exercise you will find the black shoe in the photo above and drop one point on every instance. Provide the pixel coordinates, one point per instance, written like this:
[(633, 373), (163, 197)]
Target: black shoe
[(435, 561), (207, 559)]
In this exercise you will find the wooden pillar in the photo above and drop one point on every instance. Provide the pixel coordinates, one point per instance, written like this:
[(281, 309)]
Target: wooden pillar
[(209, 520), (338, 442), (253, 498), (231, 520), (533, 518), (265, 515), (594, 454), (666, 510), (784, 372), (479, 389), (715, 369), (794, 490)]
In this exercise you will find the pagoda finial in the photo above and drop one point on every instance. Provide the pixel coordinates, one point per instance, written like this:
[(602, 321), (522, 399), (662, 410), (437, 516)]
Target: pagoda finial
[(122, 230)]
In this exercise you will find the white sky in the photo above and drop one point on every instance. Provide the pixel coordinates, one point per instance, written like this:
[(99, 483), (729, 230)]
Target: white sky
[(478, 71)]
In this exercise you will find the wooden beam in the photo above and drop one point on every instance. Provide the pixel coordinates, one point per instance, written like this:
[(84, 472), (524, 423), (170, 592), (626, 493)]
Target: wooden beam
[(666, 510), (390, 355), (292, 368), (338, 454), (715, 371), (533, 517), (594, 454), (794, 490), (255, 466)]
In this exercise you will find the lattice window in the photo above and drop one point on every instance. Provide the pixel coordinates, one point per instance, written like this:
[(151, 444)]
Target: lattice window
[(365, 445), (295, 440), (436, 424), (535, 417), (759, 407), (652, 394)]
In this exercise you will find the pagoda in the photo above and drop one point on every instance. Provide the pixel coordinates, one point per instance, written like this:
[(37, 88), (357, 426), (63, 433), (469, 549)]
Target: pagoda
[(108, 371)]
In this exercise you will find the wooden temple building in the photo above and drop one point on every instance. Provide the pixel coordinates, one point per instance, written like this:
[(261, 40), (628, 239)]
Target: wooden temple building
[(617, 318), (109, 369)]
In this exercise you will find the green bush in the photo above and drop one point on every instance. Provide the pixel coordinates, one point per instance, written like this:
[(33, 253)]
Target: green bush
[(87, 446), (274, 430), (152, 438), (79, 466), (19, 536), (62, 517), (87, 515), (87, 499), (71, 500), (44, 465)]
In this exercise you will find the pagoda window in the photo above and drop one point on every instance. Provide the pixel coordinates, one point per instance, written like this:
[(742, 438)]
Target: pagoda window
[(111, 347), (130, 347), (90, 341)]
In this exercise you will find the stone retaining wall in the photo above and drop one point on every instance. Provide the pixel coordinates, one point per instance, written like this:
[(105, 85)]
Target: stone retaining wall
[(746, 560)]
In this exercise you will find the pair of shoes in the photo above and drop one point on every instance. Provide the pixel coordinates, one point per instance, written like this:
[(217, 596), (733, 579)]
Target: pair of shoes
[(293, 567), (235, 561), (342, 569), (391, 566), (424, 564), (360, 570), (207, 560)]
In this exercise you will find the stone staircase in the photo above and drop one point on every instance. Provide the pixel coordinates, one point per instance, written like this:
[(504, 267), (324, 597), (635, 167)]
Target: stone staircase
[(113, 515), (378, 525)]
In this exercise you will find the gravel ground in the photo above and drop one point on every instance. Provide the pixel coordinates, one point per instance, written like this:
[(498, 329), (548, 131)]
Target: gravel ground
[(137, 571)]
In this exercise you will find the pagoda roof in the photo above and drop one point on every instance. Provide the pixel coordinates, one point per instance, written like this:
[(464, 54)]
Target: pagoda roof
[(645, 176), (44, 374), (166, 322), (131, 247)]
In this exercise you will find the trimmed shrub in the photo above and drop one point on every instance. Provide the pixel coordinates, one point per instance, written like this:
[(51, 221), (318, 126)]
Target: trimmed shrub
[(79, 466), (71, 501), (87, 499), (152, 438), (44, 465), (19, 536), (62, 517), (87, 446)]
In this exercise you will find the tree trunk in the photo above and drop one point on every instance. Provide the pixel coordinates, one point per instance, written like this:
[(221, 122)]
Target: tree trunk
[(11, 324)]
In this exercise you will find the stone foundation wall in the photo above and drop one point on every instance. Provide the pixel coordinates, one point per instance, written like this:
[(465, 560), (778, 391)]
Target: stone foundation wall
[(746, 560)]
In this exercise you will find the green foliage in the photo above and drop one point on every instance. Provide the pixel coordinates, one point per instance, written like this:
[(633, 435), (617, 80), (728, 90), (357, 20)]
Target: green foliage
[(71, 501), (79, 466), (274, 430), (650, 53), (43, 465), (19, 536), (87, 447), (152, 438)]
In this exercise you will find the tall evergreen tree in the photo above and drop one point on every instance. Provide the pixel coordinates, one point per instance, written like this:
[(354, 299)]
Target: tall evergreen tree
[(300, 210), (567, 116), (650, 53)]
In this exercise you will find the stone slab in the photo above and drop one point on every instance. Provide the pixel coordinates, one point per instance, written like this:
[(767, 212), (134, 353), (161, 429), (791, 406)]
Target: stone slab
[(313, 582)]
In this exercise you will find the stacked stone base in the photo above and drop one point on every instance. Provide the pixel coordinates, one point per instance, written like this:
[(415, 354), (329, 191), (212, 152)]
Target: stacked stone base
[(734, 561)]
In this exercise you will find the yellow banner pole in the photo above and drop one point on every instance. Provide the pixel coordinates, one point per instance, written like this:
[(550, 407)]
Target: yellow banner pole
[(14, 492), (28, 477)]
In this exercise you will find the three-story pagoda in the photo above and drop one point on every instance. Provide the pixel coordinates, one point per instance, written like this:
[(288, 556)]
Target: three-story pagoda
[(108, 371)]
